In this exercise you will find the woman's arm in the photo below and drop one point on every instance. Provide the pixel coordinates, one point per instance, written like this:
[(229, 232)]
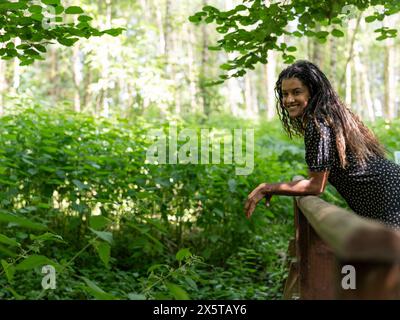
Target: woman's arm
[(314, 185)]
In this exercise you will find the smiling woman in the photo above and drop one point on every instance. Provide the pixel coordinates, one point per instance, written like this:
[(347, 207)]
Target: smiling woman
[(339, 149)]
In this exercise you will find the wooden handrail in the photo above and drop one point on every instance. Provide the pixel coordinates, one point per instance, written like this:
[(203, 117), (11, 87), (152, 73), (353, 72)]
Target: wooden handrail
[(329, 237)]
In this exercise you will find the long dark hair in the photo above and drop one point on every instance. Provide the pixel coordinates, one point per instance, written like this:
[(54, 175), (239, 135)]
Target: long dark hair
[(324, 103)]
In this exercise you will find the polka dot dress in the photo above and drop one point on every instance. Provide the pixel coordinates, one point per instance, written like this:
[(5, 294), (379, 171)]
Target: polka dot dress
[(372, 191)]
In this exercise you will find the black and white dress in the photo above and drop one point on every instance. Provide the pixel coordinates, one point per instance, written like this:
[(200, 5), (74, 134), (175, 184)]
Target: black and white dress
[(372, 191)]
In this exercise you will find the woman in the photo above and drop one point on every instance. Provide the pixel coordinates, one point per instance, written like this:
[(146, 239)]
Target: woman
[(339, 149)]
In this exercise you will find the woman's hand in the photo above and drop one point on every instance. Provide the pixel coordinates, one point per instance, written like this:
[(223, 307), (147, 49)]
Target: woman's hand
[(262, 191)]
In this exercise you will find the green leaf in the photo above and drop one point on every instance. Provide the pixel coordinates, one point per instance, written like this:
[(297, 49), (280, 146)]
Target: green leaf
[(99, 222), (40, 48), (225, 66), (73, 10), (370, 19), (106, 236), (103, 250), (11, 5), (9, 270), (34, 261), (177, 292), (114, 32), (48, 237), (6, 240), (37, 16), (337, 33), (35, 9), (51, 1), (67, 41), (96, 291), (209, 19), (240, 7), (183, 254), (322, 34), (84, 18), (7, 252), (58, 10), (22, 222), (194, 19)]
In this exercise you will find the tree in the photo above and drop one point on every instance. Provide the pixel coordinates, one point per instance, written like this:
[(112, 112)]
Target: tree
[(253, 28), (38, 23)]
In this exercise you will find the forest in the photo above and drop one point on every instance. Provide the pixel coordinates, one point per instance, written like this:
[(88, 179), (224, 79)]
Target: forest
[(132, 133)]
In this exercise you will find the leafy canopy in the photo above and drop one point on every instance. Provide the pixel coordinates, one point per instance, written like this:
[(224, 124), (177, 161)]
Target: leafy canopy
[(252, 28), (37, 23)]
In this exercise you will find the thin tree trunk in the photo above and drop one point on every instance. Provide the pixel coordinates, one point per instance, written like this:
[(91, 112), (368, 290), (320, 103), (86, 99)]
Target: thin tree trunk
[(333, 62), (348, 85), (106, 65), (191, 63), (77, 76), (354, 26), (366, 88), (3, 85), (145, 9), (17, 69), (53, 72), (359, 100), (234, 96), (203, 68), (251, 111), (390, 83), (317, 52), (271, 78), (167, 28)]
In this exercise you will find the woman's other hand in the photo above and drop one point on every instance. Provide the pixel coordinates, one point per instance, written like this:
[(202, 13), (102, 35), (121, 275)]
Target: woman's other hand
[(255, 196)]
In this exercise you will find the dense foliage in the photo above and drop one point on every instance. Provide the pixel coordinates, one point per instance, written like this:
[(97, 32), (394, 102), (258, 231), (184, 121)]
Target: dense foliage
[(253, 28), (76, 194), (37, 23)]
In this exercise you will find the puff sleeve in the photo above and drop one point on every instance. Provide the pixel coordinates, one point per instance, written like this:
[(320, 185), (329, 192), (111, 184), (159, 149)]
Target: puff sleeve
[(319, 146)]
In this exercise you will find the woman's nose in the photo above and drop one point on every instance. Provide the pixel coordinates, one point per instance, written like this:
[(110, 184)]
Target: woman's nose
[(290, 99)]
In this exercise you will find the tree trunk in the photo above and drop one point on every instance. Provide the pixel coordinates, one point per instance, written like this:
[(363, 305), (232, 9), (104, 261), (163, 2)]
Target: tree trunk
[(390, 84), (3, 85), (359, 100), (53, 72), (251, 109), (167, 28), (17, 69), (203, 68), (348, 85), (160, 25), (106, 65), (77, 76), (191, 64), (317, 53), (333, 62), (365, 87), (271, 78)]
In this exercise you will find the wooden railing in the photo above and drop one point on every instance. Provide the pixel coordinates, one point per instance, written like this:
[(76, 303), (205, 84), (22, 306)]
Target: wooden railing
[(332, 245)]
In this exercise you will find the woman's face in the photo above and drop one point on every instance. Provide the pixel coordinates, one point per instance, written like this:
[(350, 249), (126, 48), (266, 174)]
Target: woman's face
[(295, 97)]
